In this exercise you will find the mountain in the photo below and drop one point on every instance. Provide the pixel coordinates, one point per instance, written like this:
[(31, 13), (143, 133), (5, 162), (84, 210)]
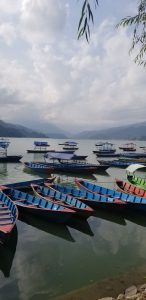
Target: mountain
[(15, 130), (50, 130), (129, 132)]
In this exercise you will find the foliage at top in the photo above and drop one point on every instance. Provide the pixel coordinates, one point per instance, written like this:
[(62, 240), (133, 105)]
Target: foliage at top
[(137, 22)]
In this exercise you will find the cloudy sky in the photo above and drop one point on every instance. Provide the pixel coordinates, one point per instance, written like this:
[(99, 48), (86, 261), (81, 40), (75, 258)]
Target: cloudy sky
[(47, 75)]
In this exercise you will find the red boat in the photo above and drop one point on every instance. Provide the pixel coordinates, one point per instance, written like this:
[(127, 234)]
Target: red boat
[(128, 188)]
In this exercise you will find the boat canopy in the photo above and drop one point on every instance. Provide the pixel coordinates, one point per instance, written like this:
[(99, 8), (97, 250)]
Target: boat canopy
[(41, 144), (57, 155), (133, 167)]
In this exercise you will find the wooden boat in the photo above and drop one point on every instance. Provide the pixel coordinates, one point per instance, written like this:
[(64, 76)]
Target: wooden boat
[(106, 149), (115, 163), (8, 216), (134, 179), (4, 144), (48, 193), (94, 200), (38, 167), (132, 201), (71, 146), (128, 188), (65, 167), (26, 185), (119, 163), (129, 147), (39, 147), (27, 203)]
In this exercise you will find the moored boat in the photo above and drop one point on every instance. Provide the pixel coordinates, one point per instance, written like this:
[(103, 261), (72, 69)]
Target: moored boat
[(132, 201), (105, 149), (8, 216), (49, 193), (96, 201), (4, 157), (129, 147), (26, 185), (128, 188), (27, 203), (134, 179)]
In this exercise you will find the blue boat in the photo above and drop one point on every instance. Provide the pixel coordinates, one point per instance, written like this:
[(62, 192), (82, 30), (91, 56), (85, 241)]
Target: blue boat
[(65, 166), (117, 163), (8, 216), (132, 201), (48, 193), (26, 185), (94, 200), (27, 203)]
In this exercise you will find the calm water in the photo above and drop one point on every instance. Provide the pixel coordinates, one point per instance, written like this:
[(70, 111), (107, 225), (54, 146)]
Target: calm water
[(43, 261)]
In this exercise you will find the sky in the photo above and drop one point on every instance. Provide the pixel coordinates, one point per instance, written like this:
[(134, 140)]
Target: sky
[(48, 75)]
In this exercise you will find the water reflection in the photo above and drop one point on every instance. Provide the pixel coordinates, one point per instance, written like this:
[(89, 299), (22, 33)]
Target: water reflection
[(111, 216), (59, 230), (3, 169), (81, 225), (137, 217), (7, 252)]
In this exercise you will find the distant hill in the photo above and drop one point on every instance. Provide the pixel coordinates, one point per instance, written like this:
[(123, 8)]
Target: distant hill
[(129, 132), (50, 130), (13, 130)]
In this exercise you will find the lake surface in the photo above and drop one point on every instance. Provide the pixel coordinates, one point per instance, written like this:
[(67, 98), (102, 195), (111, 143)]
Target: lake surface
[(45, 260)]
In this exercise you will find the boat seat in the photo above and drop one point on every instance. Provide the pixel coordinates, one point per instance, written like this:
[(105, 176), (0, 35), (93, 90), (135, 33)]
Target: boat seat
[(126, 186), (143, 200), (4, 222), (103, 191), (132, 189), (131, 198)]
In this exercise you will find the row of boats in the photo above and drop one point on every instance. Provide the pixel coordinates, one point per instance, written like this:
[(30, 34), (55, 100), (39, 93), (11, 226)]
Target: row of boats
[(60, 203)]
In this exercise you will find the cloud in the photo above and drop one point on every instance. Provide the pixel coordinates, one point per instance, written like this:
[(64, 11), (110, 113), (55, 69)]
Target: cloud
[(64, 81), (8, 33), (42, 20)]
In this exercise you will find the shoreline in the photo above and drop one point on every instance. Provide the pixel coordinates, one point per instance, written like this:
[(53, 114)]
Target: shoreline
[(111, 287)]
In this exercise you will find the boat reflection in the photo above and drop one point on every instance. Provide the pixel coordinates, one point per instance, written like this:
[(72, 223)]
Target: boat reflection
[(3, 169), (137, 217), (59, 230), (111, 216), (7, 252), (81, 225)]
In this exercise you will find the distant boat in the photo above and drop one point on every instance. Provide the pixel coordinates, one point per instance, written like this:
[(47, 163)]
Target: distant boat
[(106, 149), (40, 147), (70, 146), (4, 157), (49, 193), (64, 163), (118, 163), (128, 147), (31, 204), (8, 215)]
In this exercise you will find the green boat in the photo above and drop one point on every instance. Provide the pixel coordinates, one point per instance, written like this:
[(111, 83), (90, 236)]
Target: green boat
[(134, 179)]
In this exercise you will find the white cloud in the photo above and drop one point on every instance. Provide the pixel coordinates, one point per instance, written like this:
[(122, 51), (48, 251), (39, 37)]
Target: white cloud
[(42, 20), (66, 81), (8, 33)]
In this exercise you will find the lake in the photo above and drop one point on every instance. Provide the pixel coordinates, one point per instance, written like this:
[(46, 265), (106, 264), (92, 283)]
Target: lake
[(45, 261)]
